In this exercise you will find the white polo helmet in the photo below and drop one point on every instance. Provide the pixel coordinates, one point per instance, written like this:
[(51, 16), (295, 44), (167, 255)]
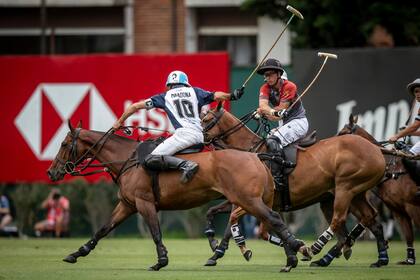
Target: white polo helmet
[(177, 77)]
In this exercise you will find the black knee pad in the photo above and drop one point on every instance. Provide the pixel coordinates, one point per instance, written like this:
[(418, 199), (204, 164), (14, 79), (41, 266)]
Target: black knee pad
[(273, 144)]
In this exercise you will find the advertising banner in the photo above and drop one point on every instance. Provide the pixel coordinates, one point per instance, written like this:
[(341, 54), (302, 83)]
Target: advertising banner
[(367, 82), (40, 93)]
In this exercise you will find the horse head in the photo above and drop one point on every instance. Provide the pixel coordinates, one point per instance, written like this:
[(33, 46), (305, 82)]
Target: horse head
[(353, 128), (211, 123), (65, 160)]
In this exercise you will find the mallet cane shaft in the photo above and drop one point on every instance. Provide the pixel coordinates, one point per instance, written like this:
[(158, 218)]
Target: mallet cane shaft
[(294, 13)]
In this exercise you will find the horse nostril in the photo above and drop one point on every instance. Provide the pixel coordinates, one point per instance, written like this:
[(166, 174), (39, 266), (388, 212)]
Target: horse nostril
[(50, 174)]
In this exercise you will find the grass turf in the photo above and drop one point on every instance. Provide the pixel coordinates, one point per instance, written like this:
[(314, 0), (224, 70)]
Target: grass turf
[(129, 259)]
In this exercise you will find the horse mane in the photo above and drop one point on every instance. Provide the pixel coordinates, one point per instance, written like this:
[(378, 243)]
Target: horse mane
[(239, 121), (114, 137)]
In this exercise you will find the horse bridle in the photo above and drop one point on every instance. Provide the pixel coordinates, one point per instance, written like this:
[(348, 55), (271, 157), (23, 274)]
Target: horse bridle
[(69, 166)]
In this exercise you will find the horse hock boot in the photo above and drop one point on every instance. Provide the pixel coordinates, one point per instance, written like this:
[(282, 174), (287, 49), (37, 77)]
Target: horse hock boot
[(163, 162)]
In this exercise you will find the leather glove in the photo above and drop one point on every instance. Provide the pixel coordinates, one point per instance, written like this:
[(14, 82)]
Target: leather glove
[(237, 93), (281, 114)]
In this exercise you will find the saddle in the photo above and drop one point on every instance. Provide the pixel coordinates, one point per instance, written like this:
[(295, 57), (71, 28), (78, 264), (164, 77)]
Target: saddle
[(288, 163), (146, 147), (411, 165), (413, 169)]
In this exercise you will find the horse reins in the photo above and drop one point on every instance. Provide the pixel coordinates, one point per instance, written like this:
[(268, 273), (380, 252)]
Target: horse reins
[(70, 165), (223, 135)]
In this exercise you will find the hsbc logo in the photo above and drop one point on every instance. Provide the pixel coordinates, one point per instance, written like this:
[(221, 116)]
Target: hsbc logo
[(43, 120)]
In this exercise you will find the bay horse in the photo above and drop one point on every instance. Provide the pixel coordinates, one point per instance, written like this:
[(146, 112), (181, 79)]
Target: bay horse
[(247, 183), (347, 166), (397, 191)]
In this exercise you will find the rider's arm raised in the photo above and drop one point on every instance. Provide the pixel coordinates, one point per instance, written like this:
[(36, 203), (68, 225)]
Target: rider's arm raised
[(143, 104), (221, 96)]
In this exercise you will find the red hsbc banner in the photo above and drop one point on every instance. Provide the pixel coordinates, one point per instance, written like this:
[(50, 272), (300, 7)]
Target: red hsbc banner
[(40, 93)]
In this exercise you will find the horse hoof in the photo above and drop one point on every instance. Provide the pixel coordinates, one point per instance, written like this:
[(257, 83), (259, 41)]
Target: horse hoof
[(407, 262), (379, 264), (286, 269), (155, 267), (70, 259), (210, 262), (319, 263), (347, 253), (306, 252), (248, 255), (305, 259), (213, 244)]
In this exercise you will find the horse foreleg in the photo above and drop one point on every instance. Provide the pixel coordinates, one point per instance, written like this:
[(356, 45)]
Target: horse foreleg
[(341, 206), (407, 228), (224, 207), (232, 229), (148, 211), (327, 207), (120, 213), (237, 234)]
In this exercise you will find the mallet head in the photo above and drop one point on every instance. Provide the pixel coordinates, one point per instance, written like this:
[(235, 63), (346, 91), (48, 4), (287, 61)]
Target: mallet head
[(294, 11), (330, 55)]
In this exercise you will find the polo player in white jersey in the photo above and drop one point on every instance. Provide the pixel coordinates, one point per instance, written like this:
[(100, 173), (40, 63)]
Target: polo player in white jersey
[(182, 103)]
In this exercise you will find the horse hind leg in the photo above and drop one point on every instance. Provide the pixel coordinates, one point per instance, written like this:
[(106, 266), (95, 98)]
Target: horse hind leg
[(237, 234), (120, 213)]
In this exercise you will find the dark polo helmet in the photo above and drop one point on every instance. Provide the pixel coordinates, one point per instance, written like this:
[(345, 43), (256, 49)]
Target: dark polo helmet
[(413, 85), (270, 64)]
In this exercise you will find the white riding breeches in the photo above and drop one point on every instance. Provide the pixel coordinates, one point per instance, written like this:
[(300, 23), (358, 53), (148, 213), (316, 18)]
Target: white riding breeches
[(181, 139), (291, 132), (416, 148)]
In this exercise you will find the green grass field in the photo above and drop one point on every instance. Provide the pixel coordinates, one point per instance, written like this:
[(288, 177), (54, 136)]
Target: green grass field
[(117, 258)]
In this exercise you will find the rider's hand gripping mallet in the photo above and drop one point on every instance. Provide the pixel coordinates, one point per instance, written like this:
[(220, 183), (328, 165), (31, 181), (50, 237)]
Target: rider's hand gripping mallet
[(320, 54)]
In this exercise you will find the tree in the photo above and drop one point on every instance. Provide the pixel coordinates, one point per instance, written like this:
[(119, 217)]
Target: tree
[(339, 24)]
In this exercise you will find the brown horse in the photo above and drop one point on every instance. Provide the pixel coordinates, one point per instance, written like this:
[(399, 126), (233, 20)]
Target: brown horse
[(348, 166), (397, 192), (247, 183)]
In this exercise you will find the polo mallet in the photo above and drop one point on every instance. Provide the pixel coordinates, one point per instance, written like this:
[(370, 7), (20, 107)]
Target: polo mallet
[(320, 54), (294, 13)]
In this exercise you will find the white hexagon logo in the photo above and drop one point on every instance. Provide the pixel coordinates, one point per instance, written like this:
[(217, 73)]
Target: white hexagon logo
[(65, 99)]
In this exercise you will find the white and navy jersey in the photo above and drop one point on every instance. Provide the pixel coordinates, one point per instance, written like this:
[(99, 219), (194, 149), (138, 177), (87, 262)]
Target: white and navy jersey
[(183, 105)]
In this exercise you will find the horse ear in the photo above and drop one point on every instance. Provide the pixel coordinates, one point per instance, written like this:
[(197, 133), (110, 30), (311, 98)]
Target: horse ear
[(351, 119), (356, 118), (219, 105), (79, 124), (70, 126)]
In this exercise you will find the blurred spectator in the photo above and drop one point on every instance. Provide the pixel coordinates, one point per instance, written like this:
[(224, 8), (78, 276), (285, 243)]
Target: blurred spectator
[(58, 215), (7, 216)]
